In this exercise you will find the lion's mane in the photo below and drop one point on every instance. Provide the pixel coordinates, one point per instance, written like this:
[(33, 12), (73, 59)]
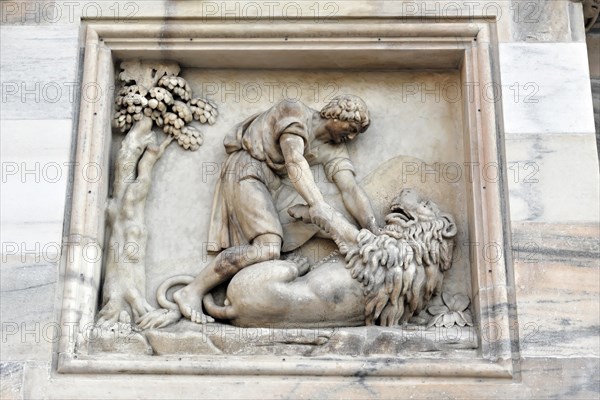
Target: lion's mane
[(402, 268)]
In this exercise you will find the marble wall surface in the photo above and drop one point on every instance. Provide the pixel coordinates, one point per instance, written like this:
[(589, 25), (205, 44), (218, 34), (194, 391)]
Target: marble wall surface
[(552, 171)]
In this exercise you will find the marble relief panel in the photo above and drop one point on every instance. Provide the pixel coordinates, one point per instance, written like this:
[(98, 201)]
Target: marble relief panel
[(414, 147), (418, 127), (362, 217)]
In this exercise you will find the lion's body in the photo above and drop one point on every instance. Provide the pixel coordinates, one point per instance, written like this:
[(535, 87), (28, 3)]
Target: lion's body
[(271, 294)]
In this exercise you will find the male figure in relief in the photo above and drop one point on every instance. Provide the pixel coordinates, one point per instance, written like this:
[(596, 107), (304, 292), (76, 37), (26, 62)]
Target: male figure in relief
[(270, 155)]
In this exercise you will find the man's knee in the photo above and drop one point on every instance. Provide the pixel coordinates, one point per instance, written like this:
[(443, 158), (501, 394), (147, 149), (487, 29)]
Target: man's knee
[(230, 261), (261, 252), (269, 253), (266, 248)]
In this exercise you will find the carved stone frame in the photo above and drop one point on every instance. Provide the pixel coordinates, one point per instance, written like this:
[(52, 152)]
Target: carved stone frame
[(470, 46)]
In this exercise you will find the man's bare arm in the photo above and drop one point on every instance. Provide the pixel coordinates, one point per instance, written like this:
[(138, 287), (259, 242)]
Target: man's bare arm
[(298, 169), (355, 199)]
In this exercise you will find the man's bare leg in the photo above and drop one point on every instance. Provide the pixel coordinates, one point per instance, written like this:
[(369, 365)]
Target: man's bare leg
[(263, 248)]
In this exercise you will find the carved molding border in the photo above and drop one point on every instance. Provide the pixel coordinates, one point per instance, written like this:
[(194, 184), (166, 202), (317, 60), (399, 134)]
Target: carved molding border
[(469, 46)]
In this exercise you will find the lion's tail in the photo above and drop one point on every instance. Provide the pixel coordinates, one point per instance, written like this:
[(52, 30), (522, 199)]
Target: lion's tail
[(220, 312), (161, 292)]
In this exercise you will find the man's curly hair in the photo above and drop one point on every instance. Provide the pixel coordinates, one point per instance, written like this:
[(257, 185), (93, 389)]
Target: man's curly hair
[(347, 107)]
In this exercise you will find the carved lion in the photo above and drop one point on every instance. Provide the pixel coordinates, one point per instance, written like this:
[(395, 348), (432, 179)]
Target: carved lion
[(374, 279)]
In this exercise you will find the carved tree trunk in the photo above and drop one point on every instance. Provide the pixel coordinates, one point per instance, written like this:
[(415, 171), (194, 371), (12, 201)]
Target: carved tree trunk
[(123, 291)]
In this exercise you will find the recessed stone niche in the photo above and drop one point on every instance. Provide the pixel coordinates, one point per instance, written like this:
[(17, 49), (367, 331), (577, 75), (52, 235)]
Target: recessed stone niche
[(435, 128)]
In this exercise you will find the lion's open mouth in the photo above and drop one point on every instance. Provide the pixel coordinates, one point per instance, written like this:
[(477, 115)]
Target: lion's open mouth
[(397, 211), (398, 220)]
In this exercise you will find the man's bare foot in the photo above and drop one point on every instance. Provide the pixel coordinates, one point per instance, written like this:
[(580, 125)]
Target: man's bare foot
[(190, 305)]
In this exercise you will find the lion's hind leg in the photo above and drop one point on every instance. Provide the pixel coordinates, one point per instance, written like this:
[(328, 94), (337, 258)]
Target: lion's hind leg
[(301, 262), (261, 277), (288, 270)]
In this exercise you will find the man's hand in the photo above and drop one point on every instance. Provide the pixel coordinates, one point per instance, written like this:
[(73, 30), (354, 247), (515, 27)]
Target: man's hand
[(321, 214), (375, 229), (301, 212)]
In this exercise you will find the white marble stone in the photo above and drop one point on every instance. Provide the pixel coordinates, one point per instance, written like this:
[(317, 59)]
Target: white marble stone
[(546, 88), (567, 378), (40, 12), (27, 300), (544, 21), (53, 13), (39, 71), (35, 174), (557, 283), (547, 174), (11, 380)]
